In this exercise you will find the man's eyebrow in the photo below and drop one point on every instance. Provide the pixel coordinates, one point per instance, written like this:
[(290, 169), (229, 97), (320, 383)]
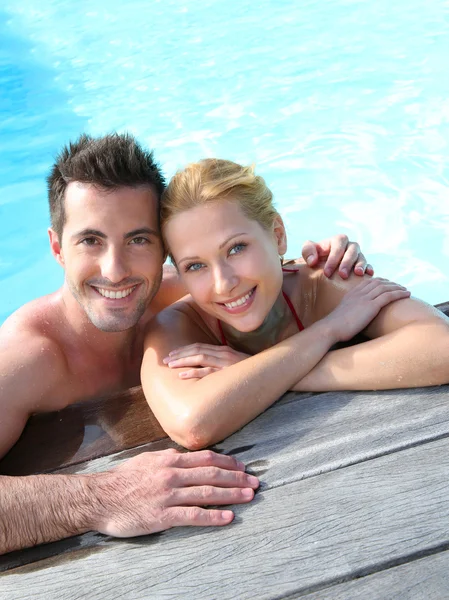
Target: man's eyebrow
[(87, 231), (227, 240), (100, 234), (140, 231)]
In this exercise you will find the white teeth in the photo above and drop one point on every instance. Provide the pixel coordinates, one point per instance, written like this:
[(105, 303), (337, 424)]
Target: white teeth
[(116, 295), (240, 301)]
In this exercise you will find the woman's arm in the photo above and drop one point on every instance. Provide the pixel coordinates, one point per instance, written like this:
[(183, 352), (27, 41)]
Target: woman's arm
[(409, 347), (200, 412)]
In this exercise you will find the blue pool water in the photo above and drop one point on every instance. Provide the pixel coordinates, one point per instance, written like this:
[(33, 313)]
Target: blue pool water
[(342, 104)]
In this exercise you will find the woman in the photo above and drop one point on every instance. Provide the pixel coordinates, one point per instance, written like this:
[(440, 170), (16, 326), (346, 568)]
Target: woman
[(253, 329)]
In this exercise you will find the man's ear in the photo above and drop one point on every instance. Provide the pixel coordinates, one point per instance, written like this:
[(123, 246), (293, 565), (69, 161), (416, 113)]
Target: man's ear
[(280, 234), (55, 246)]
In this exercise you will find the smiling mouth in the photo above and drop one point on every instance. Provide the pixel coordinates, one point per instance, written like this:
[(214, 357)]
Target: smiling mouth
[(240, 301), (114, 294)]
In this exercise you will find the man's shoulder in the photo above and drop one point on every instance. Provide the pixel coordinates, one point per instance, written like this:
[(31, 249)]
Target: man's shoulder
[(31, 335), (37, 318)]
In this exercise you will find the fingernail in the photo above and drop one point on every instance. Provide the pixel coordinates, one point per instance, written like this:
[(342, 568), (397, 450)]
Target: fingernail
[(344, 272), (252, 480), (227, 514), (240, 465), (309, 260), (166, 360), (247, 492)]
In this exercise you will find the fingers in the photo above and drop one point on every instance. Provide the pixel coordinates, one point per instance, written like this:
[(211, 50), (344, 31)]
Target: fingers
[(197, 373), (388, 291), (213, 476), (192, 349), (207, 458), (352, 259), (198, 517), (341, 252), (208, 495), (310, 253), (361, 266), (199, 360)]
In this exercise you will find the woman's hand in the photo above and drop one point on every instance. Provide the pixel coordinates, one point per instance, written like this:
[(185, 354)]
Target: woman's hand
[(202, 359), (340, 253), (361, 305)]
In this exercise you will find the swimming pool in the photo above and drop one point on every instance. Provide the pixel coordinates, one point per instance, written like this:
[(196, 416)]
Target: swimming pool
[(343, 105)]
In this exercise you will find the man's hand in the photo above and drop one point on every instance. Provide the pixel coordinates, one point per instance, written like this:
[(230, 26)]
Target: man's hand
[(150, 492), (340, 253), (159, 490)]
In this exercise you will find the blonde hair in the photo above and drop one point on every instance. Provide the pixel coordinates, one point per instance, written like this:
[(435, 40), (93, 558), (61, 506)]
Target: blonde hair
[(213, 179)]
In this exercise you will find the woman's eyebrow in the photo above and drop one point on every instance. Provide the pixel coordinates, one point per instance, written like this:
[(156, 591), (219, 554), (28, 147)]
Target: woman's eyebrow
[(234, 235)]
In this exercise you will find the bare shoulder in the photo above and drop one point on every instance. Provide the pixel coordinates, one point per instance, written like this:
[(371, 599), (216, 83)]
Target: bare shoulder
[(304, 285), (179, 324), (320, 295), (31, 356), (170, 290), (39, 317)]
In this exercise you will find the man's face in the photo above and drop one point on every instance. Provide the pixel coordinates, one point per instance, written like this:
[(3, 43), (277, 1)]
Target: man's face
[(112, 252)]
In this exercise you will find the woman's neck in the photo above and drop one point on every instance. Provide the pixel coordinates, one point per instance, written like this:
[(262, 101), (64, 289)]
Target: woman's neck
[(267, 335)]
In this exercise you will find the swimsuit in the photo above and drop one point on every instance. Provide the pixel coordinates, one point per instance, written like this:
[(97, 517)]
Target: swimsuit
[(290, 305)]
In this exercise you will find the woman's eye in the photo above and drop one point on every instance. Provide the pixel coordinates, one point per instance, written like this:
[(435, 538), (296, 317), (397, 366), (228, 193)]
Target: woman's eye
[(194, 267), (237, 248)]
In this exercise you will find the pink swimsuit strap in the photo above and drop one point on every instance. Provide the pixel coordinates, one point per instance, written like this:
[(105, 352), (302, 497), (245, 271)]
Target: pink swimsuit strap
[(290, 305)]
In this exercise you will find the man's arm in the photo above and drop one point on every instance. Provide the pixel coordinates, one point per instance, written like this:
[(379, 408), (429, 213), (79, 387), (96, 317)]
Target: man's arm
[(148, 493)]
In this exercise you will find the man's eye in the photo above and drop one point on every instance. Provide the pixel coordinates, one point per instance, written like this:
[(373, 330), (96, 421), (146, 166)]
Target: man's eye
[(237, 248), (139, 241), (194, 267), (90, 241)]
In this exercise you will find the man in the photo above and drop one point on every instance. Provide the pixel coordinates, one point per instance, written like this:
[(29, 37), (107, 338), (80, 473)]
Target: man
[(86, 340)]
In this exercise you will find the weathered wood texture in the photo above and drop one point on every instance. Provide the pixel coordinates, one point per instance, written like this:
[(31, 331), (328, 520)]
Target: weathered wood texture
[(422, 579), (81, 432), (304, 435), (293, 539), (300, 437)]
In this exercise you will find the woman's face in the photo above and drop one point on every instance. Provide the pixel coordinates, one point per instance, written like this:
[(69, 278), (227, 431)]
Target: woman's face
[(228, 263)]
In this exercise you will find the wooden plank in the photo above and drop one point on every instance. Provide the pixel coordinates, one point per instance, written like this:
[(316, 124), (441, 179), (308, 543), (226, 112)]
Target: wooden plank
[(304, 435), (301, 437), (81, 432), (422, 579), (292, 540)]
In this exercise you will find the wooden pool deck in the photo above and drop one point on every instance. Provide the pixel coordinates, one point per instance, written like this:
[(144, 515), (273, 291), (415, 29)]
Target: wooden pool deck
[(353, 503)]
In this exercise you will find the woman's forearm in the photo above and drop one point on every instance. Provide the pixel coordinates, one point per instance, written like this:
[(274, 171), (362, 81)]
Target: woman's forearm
[(198, 413), (413, 356)]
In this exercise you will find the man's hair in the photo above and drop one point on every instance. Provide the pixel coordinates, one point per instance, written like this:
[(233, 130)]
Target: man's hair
[(111, 161)]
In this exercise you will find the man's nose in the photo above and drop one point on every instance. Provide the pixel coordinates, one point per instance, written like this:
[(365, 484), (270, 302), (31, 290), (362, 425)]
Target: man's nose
[(114, 266), (225, 279)]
